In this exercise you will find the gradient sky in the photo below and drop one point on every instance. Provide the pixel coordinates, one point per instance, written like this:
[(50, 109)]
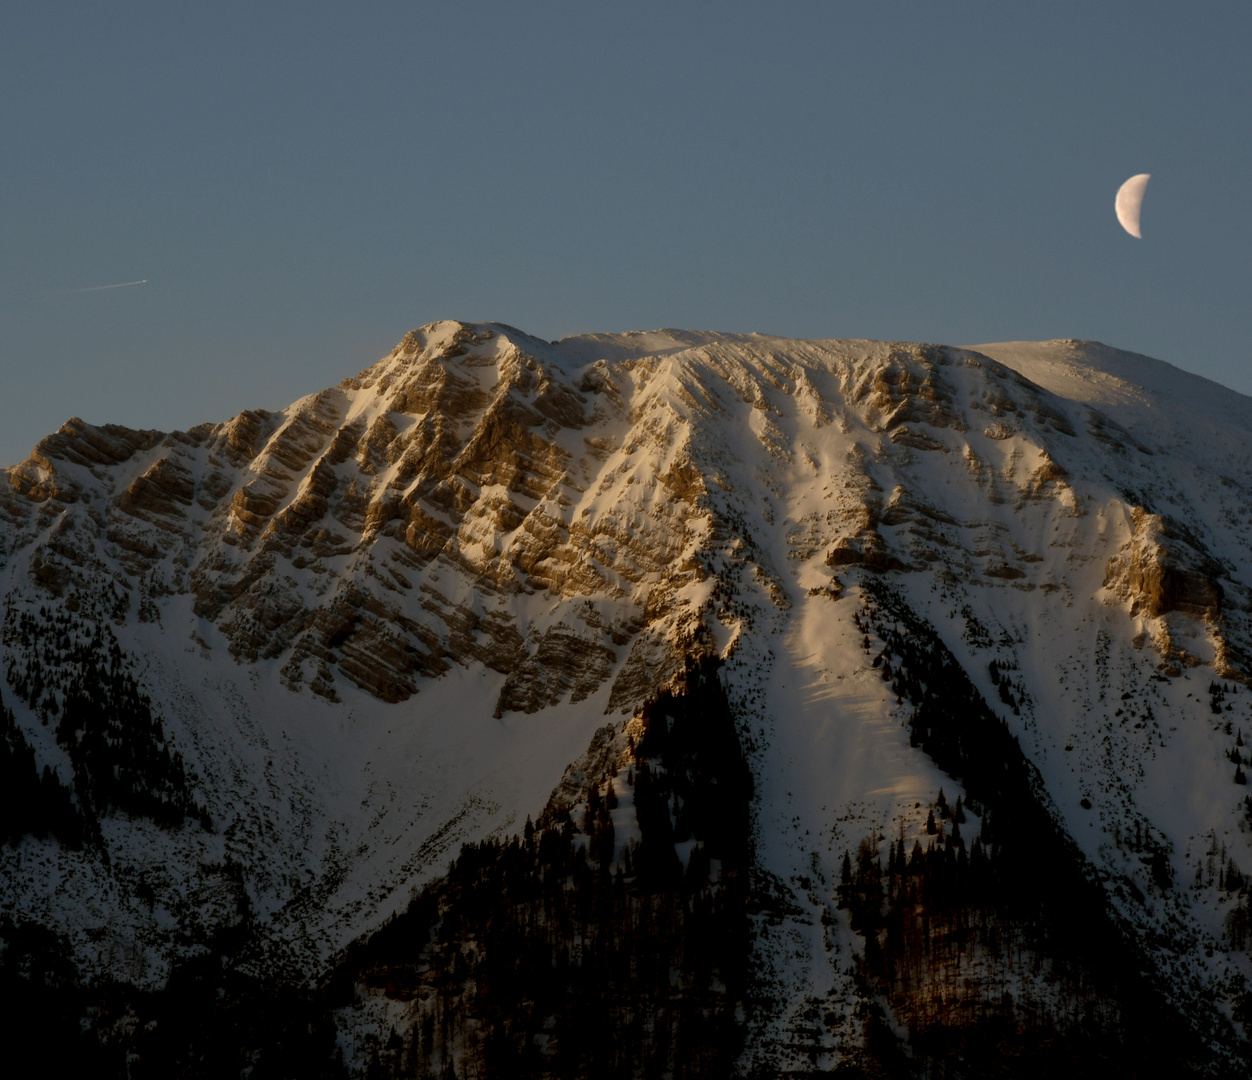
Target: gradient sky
[(303, 183)]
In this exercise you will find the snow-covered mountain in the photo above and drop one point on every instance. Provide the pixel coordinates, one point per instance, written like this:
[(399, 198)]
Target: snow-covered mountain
[(267, 677)]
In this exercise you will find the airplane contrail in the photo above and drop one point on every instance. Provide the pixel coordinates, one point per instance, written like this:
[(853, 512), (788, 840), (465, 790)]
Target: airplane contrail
[(98, 288)]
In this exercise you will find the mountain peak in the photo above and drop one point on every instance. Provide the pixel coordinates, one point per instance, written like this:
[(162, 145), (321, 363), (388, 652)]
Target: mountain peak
[(395, 615)]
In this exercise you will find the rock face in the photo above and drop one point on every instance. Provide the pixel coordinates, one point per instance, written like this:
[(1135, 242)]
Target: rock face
[(1161, 569), (384, 621), (319, 535)]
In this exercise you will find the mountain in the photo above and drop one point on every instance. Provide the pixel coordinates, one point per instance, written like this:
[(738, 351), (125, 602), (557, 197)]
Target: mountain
[(664, 703)]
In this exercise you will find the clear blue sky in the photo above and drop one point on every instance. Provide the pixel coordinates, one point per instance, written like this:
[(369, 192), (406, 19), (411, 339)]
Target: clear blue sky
[(302, 183)]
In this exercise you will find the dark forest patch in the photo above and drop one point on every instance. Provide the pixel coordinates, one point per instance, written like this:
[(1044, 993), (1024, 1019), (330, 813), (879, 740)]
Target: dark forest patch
[(998, 951), (558, 953), (566, 953), (71, 672)]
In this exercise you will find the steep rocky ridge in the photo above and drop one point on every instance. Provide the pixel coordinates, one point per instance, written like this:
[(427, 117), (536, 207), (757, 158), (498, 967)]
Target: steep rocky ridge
[(383, 621)]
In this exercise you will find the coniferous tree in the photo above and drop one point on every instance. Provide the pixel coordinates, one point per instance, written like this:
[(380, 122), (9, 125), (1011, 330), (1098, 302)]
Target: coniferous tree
[(32, 802)]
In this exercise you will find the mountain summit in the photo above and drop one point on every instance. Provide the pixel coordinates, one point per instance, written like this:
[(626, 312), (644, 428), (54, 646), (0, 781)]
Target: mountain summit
[(894, 694)]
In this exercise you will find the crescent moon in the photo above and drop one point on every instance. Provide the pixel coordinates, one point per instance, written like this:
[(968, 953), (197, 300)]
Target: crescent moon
[(1129, 200)]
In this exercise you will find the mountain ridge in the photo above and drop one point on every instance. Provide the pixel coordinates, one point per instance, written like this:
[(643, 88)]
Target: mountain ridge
[(386, 620)]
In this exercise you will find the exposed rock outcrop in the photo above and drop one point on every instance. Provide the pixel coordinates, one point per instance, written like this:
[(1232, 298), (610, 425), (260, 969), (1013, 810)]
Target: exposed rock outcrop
[(1164, 568)]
